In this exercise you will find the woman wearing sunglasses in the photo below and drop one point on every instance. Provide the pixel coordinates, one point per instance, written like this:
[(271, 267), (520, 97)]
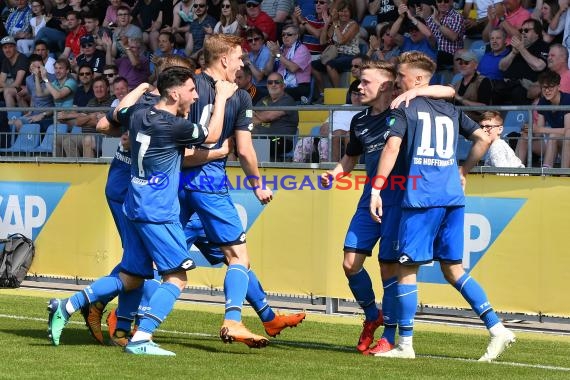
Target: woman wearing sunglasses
[(310, 26), (228, 23)]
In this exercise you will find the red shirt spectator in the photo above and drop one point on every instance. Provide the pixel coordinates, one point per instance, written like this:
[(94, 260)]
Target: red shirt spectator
[(261, 20), (76, 31)]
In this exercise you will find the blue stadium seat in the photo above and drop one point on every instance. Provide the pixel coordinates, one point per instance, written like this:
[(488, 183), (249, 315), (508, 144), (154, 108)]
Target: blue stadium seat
[(28, 139), (315, 131), (463, 148), (514, 121), (47, 142)]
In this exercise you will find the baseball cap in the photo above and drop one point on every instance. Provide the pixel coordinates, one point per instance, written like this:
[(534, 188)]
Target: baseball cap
[(256, 2), (7, 40), (87, 39), (467, 56)]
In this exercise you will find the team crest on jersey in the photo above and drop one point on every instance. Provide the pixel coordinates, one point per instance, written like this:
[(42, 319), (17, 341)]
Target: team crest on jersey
[(390, 120)]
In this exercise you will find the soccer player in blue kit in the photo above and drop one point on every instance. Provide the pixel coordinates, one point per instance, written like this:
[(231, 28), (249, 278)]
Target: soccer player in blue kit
[(205, 192), (432, 221), (158, 136), (367, 136)]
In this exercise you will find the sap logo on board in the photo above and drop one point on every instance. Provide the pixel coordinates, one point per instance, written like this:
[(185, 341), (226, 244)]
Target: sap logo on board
[(485, 220), (248, 209), (25, 207)]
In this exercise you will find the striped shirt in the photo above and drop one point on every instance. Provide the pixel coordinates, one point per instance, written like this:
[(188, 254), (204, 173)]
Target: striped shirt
[(454, 21)]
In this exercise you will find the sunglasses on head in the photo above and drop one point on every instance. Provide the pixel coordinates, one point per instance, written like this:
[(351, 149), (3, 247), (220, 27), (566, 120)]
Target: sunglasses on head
[(252, 5), (525, 30), (254, 39), (84, 73), (287, 34), (271, 82), (199, 5)]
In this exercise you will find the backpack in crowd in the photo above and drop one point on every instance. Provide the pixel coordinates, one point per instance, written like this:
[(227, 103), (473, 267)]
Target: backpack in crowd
[(15, 260)]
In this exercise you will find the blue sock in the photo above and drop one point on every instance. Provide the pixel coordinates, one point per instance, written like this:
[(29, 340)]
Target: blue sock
[(389, 309), (127, 309), (149, 287), (160, 306), (235, 289), (475, 295), (407, 305), (361, 286), (258, 299), (104, 289)]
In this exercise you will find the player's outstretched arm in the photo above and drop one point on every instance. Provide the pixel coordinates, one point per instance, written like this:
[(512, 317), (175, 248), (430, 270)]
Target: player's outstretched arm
[(435, 92), (481, 143), (342, 168), (385, 166), (248, 163), (196, 157), (224, 90)]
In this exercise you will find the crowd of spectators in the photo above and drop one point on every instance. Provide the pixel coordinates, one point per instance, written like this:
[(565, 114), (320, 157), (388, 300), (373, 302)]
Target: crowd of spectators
[(520, 41)]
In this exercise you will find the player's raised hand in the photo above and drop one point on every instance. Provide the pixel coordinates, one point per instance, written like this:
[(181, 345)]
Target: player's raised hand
[(225, 89), (405, 97), (326, 179), (264, 195), (376, 208)]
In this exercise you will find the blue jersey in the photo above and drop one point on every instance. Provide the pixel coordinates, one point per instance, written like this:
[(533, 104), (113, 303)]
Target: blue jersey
[(120, 169), (157, 139), (429, 129), (368, 135), (210, 177)]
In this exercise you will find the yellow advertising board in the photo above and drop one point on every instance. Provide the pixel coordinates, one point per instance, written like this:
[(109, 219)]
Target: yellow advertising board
[(515, 233)]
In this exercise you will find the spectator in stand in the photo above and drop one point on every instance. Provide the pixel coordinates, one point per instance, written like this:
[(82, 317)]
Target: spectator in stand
[(544, 12), (310, 26), (13, 72), (77, 7), (91, 24), (474, 27), (90, 56), (146, 13), (471, 89), (558, 62), (418, 36), (41, 49), (135, 66), (84, 91), (281, 126), (54, 33), (509, 16), (259, 59), (119, 88), (111, 14), (39, 97), (88, 143), (244, 80), (228, 23), (294, 63), (489, 64), (560, 24), (183, 14), (166, 46), (448, 28), (197, 29), (18, 22), (500, 153), (355, 71), (111, 73), (63, 88), (279, 11), (25, 45), (200, 62), (255, 17), (523, 64), (339, 29), (73, 38), (386, 11), (124, 30), (384, 48), (558, 132)]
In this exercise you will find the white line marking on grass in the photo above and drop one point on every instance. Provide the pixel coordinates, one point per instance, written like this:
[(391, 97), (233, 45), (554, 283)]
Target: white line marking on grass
[(318, 345)]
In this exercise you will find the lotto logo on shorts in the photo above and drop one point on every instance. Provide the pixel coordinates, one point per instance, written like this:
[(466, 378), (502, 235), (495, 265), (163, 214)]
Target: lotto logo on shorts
[(404, 259), (242, 237), (188, 264)]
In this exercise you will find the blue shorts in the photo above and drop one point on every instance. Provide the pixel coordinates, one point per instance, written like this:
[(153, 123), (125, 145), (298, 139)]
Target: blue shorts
[(118, 216), (428, 234), (363, 233), (162, 243), (218, 215), (195, 234)]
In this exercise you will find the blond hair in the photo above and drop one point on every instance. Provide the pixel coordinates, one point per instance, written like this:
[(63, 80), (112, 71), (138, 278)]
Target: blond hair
[(218, 45), (417, 60), (167, 61)]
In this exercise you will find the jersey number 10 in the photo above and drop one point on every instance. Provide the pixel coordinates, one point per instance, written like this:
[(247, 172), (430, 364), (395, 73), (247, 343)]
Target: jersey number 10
[(444, 136)]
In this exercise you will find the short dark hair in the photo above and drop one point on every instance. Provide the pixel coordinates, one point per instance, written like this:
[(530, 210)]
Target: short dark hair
[(120, 79), (549, 78), (172, 77), (41, 42), (170, 36), (101, 79), (35, 58), (85, 66), (536, 26)]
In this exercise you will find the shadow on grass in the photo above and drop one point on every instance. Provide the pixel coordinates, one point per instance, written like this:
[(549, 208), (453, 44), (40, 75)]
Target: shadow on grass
[(68, 337)]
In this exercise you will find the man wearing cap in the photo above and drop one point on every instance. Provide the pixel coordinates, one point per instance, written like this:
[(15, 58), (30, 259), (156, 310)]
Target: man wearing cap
[(471, 89), (419, 36), (13, 72), (75, 32), (259, 19), (90, 56)]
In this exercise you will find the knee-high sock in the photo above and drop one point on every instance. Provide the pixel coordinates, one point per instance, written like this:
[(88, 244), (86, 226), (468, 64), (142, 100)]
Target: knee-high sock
[(128, 306), (258, 299), (475, 295), (407, 305), (103, 289), (235, 289), (149, 287), (160, 305), (390, 308), (361, 286)]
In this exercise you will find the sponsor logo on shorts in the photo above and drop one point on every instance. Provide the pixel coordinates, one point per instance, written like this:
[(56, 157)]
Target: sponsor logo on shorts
[(188, 264), (404, 259), (158, 181)]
